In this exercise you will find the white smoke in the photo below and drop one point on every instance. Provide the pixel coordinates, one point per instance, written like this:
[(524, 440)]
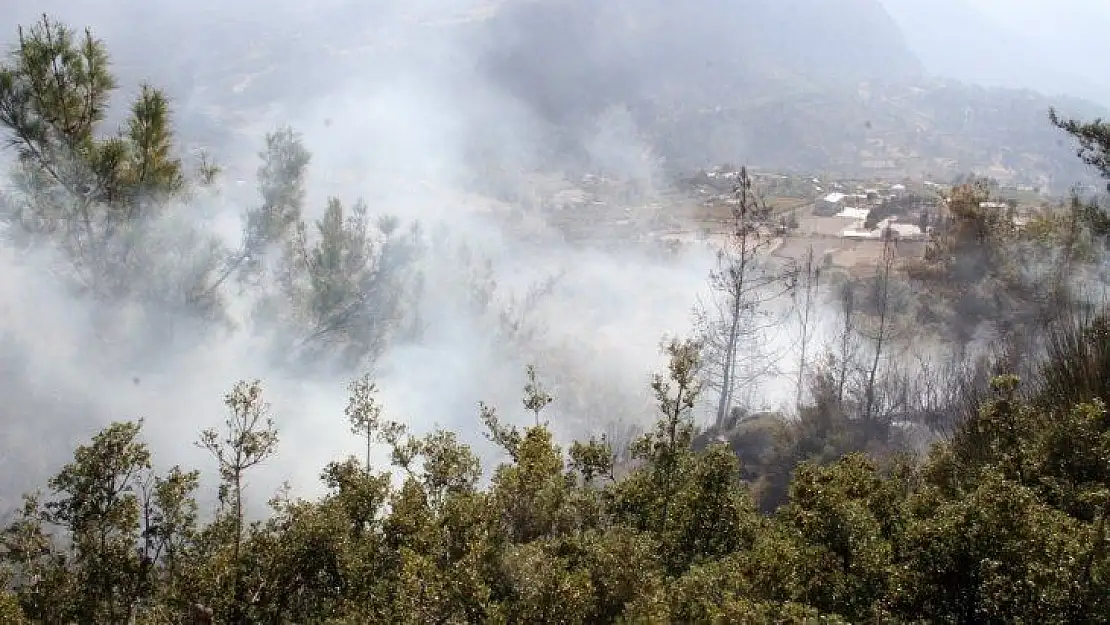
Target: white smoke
[(401, 133)]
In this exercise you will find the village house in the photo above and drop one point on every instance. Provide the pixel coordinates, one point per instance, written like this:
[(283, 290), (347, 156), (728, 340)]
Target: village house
[(830, 205)]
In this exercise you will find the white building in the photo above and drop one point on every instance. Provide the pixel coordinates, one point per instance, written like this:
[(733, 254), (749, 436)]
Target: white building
[(904, 232), (859, 214), (901, 231), (994, 205), (831, 204)]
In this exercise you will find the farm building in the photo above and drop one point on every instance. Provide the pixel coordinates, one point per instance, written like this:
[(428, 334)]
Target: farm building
[(830, 205)]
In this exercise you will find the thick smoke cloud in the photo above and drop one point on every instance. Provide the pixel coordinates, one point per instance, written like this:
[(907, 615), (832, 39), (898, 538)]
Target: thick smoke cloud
[(397, 112)]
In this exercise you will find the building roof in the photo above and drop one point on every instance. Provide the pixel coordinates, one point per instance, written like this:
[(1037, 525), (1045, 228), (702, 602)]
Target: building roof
[(906, 230), (854, 213), (834, 198), (858, 233)]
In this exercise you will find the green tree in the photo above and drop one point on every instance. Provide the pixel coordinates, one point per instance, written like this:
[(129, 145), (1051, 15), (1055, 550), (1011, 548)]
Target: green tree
[(1093, 138), (268, 226), (365, 414), (170, 526), (92, 195), (125, 530), (646, 498), (99, 508), (248, 439), (845, 520), (281, 185), (10, 612)]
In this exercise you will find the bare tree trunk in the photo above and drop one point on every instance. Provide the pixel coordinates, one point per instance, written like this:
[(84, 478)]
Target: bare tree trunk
[(735, 275), (743, 284), (882, 285), (237, 593), (724, 403), (812, 278), (847, 299)]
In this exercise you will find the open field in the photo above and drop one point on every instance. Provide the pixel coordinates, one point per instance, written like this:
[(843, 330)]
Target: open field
[(814, 226), (786, 204), (720, 211)]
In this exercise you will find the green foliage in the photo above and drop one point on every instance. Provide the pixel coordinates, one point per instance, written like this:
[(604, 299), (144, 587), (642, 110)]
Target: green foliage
[(1093, 138), (592, 459), (10, 612), (93, 196), (247, 440), (1007, 522), (126, 534), (344, 286), (536, 398), (845, 519), (364, 412), (281, 185), (119, 206), (55, 91)]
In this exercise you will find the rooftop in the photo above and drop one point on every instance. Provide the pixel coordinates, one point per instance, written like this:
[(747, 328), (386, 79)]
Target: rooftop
[(854, 213)]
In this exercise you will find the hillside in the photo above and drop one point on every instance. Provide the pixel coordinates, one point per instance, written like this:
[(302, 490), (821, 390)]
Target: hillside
[(935, 129), (629, 52), (797, 84)]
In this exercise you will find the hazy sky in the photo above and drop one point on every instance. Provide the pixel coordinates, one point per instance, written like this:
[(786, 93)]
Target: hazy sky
[(1061, 29), (1055, 47), (1033, 15)]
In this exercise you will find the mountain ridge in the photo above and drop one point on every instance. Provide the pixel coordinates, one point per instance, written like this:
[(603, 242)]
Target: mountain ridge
[(755, 101), (804, 84)]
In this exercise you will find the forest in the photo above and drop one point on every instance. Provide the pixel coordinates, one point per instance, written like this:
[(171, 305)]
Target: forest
[(827, 514)]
